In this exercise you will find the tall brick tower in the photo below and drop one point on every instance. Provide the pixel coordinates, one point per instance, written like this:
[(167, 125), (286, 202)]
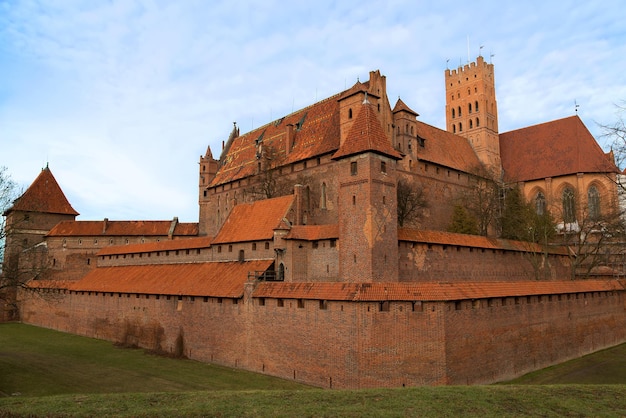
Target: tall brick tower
[(368, 227), (472, 111)]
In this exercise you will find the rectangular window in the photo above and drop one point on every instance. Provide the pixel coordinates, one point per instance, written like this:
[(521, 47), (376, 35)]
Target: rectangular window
[(300, 303), (323, 305), (383, 167), (353, 168), (280, 303)]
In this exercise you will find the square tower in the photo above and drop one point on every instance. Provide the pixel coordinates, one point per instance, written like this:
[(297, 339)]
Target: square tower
[(472, 110)]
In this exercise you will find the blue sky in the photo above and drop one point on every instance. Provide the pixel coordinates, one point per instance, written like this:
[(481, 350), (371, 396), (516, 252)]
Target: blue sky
[(122, 97)]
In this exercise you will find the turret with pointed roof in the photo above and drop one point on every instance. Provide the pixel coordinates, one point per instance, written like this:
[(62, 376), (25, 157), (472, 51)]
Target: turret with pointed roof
[(33, 215), (43, 196)]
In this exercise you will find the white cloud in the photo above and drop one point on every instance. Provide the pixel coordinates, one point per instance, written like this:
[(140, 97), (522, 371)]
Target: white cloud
[(123, 96)]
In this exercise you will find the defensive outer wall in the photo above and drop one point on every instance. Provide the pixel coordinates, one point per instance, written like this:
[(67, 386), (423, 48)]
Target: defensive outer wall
[(352, 344)]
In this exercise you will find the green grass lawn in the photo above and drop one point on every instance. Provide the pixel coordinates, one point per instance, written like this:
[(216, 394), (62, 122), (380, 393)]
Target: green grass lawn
[(48, 373)]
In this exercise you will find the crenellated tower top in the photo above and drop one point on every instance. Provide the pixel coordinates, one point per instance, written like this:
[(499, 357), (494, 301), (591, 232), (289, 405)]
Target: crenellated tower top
[(472, 110)]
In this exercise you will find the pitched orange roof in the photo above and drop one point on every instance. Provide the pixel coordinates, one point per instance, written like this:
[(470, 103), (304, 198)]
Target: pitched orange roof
[(313, 232), (476, 241), (122, 228), (254, 221), (366, 134), (315, 132), (428, 291), (217, 279), (552, 149), (176, 244), (401, 106), (44, 195), (445, 149)]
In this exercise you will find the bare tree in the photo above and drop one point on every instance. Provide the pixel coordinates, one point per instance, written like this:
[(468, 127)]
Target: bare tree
[(593, 239), (616, 134), (483, 200), (8, 193), (411, 203)]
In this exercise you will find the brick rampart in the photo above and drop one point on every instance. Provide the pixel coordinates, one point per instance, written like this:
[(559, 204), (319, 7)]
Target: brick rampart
[(342, 344)]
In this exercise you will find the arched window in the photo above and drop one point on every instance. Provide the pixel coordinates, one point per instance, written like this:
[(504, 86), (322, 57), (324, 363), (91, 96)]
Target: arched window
[(469, 106), (323, 202), (452, 113), (460, 114), (471, 124), (476, 106), (540, 203), (350, 113), (241, 255), (280, 274), (453, 129), (460, 127), (569, 205), (593, 201), (477, 122)]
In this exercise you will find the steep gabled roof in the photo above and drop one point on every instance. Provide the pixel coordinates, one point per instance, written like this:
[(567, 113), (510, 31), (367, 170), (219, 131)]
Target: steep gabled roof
[(217, 279), (373, 292), (254, 221), (44, 196), (122, 228), (445, 149), (401, 106), (552, 149), (366, 134), (315, 132)]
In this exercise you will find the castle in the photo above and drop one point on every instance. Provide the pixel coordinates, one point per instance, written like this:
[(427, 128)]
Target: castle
[(300, 266)]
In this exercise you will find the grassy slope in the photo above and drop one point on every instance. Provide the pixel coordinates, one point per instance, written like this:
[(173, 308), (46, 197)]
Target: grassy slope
[(89, 377)]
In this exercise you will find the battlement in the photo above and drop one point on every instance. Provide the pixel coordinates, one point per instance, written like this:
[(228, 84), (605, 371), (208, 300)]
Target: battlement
[(470, 68)]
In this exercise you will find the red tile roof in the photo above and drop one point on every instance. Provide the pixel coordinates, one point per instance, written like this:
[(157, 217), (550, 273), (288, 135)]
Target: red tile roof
[(476, 241), (254, 221), (44, 195), (176, 244), (313, 232), (315, 132), (401, 106), (445, 148), (552, 149), (122, 228), (428, 291), (217, 279), (366, 134)]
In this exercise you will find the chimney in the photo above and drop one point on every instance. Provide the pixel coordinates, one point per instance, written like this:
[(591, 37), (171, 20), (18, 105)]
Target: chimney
[(289, 139), (297, 192), (170, 234), (105, 224)]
